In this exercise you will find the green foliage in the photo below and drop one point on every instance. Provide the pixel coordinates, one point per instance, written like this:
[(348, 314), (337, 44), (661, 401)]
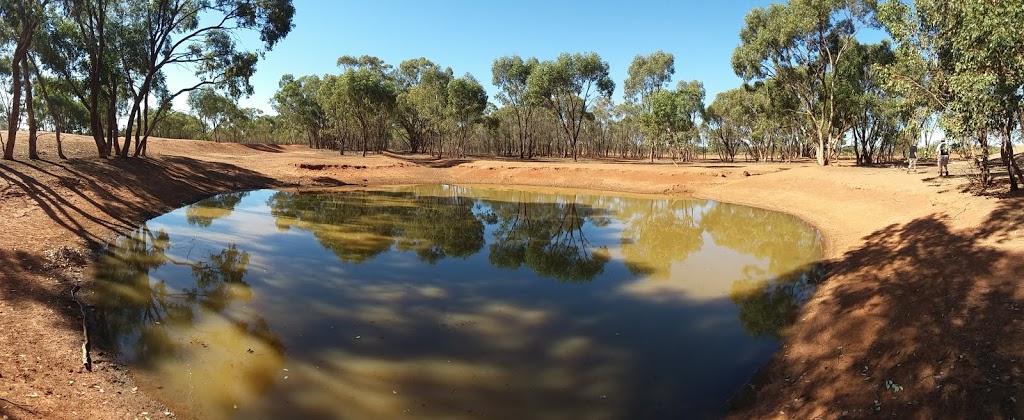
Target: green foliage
[(112, 56), (963, 60), (801, 45), (511, 75), (296, 103), (648, 75), (179, 125), (570, 84), (467, 100), (673, 116)]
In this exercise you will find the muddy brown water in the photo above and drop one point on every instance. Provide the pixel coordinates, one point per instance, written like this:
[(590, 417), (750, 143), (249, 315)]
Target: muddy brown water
[(452, 302)]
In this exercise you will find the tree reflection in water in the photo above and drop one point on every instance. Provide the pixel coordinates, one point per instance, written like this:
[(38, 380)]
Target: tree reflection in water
[(358, 226), (769, 298), (549, 238), (204, 212), (341, 280), (769, 306), (134, 304), (664, 232)]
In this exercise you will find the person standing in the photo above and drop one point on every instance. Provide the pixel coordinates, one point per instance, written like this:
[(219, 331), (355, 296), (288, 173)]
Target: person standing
[(912, 160), (943, 150)]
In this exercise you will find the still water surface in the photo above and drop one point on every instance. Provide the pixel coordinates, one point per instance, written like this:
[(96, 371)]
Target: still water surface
[(453, 302)]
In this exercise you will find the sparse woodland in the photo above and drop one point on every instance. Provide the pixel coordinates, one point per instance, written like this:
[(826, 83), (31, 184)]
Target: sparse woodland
[(812, 88)]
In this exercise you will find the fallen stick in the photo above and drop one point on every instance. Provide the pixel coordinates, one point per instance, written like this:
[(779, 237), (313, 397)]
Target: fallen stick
[(86, 361), (17, 405)]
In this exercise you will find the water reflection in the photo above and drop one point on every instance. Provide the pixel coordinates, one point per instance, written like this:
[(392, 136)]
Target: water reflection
[(438, 302), (358, 226), (548, 238), (204, 212), (157, 320)]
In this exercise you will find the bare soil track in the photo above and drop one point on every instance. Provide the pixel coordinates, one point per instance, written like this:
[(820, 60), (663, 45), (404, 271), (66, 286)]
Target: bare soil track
[(920, 316)]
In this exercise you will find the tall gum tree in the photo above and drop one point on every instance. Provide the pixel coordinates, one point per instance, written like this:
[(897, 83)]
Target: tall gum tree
[(422, 101), (982, 47), (964, 61), (648, 76), (801, 44), (118, 51), (22, 19), (467, 101), (296, 103), (510, 75), (570, 84)]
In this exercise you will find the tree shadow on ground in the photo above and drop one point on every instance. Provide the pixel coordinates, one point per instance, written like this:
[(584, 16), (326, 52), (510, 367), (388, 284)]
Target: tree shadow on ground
[(430, 161), (929, 310), (1006, 222), (118, 194), (87, 201), (269, 148), (16, 264)]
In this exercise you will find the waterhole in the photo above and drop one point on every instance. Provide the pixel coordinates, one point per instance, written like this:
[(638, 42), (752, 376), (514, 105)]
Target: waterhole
[(451, 302)]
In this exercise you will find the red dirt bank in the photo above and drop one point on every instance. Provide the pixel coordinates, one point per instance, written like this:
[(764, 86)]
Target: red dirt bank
[(923, 289)]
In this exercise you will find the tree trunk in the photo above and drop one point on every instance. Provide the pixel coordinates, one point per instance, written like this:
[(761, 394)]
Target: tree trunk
[(143, 130), (95, 116), (113, 137), (1012, 169), (14, 117), (821, 150), (986, 176), (131, 123), (30, 111)]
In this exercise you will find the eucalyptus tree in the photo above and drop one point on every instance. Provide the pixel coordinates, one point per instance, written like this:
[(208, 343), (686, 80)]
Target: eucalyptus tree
[(648, 77), (366, 91), (422, 102), (5, 96), (22, 18), (755, 117), (674, 116), (724, 133), (81, 48), (211, 108), (178, 125), (801, 44), (296, 102), (570, 84), (339, 129), (983, 48), (467, 101), (735, 119), (690, 106), (605, 118), (59, 106), (961, 60), (511, 75), (867, 106), (176, 35), (117, 51)]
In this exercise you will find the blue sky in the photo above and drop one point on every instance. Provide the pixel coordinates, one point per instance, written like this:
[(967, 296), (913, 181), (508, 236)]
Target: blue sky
[(468, 35)]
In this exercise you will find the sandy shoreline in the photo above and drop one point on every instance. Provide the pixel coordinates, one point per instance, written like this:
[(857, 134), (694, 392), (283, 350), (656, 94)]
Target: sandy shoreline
[(922, 285)]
